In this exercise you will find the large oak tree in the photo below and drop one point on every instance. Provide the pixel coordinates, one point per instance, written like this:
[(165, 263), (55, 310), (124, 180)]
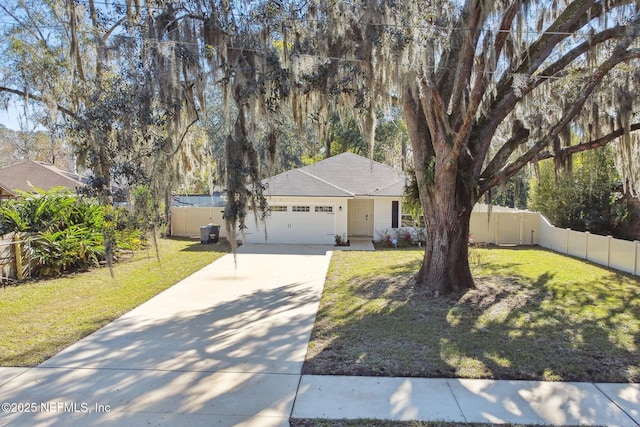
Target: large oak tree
[(487, 87)]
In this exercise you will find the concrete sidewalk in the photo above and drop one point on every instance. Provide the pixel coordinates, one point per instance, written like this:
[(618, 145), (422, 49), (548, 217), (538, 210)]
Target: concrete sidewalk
[(466, 401), (225, 347)]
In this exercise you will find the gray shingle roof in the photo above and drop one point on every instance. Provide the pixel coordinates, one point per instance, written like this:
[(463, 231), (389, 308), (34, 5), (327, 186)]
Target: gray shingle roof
[(344, 175)]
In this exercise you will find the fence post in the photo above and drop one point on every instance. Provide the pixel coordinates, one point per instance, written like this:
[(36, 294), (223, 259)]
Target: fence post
[(566, 241), (586, 245), (609, 251), (635, 258), (18, 253)]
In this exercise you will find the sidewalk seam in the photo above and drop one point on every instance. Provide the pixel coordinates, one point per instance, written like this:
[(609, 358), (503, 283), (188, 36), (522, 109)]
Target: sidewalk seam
[(26, 369), (295, 399), (464, 416), (616, 404)]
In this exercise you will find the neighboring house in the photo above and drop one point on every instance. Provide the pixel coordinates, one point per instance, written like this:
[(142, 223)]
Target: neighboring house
[(216, 199), (5, 193), (27, 175), (345, 195)]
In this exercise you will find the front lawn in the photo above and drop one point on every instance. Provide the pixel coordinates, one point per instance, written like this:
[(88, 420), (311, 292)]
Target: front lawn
[(535, 315), (41, 318)]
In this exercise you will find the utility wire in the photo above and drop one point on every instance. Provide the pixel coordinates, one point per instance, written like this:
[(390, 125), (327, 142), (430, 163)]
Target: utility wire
[(307, 19), (172, 43)]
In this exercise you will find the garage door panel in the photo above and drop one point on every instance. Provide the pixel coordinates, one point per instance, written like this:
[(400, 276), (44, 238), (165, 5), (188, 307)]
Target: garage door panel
[(295, 227)]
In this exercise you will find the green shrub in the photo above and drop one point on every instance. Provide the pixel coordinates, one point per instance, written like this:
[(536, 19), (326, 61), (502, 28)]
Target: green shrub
[(584, 199), (74, 248), (65, 232)]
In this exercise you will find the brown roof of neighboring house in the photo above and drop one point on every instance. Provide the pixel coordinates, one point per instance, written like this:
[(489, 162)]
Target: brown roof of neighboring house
[(26, 175), (5, 192)]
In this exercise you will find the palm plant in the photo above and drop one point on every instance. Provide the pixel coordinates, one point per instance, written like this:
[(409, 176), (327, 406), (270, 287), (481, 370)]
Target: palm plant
[(66, 232)]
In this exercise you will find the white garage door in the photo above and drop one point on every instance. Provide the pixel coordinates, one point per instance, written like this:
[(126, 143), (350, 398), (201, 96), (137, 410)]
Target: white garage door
[(295, 223)]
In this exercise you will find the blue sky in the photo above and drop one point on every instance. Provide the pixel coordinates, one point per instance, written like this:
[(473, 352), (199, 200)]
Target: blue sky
[(9, 120)]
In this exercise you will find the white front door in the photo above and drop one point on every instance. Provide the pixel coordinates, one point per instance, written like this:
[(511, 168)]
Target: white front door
[(361, 217)]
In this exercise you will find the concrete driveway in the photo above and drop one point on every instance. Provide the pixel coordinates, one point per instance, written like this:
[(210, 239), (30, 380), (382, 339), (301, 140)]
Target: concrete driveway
[(223, 347)]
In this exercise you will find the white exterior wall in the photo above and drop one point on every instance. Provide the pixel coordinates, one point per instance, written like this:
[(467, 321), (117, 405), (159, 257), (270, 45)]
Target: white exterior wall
[(382, 214)]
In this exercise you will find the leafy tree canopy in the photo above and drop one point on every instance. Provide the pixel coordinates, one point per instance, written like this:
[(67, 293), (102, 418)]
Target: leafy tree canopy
[(587, 199)]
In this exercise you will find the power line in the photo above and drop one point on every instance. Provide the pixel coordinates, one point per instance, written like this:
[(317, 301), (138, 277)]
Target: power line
[(187, 43), (306, 19), (200, 45)]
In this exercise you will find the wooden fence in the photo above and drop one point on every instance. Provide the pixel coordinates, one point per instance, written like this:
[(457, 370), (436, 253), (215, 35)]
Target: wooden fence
[(14, 263)]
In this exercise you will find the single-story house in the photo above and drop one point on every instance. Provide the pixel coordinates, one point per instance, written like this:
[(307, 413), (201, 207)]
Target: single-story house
[(346, 195), (26, 175)]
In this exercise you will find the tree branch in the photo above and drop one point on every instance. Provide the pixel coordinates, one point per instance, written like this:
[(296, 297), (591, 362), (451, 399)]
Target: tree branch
[(520, 135), (574, 53), (506, 98), (30, 27), (590, 145), (108, 33), (575, 16), (480, 84), (461, 54), (28, 96), (620, 54)]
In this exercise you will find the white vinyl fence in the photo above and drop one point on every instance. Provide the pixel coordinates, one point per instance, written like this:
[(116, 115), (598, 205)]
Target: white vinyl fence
[(504, 226), (513, 227), (186, 221)]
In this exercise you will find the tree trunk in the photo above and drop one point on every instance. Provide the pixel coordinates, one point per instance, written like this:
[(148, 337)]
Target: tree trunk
[(327, 147), (446, 194), (445, 267)]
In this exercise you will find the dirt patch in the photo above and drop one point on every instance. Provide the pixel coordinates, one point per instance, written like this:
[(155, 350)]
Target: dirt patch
[(508, 292)]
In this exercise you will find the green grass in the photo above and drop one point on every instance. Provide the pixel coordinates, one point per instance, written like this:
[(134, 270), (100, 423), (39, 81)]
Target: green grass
[(534, 315), (41, 318)]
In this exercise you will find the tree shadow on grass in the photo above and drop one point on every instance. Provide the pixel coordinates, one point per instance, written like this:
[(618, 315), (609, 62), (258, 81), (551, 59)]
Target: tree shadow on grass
[(508, 328)]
